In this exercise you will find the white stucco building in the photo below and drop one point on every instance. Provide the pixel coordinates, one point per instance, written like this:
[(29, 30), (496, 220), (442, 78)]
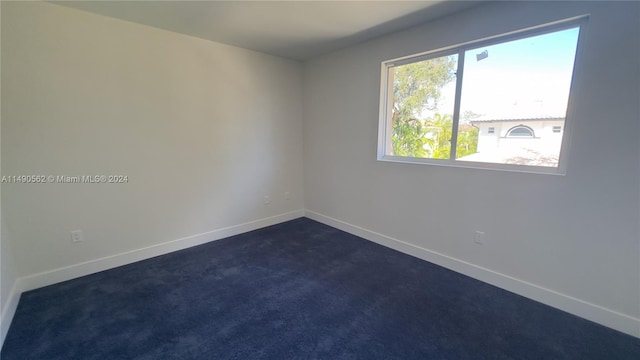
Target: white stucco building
[(523, 141)]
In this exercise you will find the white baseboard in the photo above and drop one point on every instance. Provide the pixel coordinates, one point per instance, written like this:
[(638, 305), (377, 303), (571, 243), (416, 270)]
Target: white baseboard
[(598, 314), (51, 277), (607, 317), (54, 276), (90, 267), (9, 309)]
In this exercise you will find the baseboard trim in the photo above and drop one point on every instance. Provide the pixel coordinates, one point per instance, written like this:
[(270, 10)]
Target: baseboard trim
[(607, 317), (51, 277), (592, 312), (9, 310), (54, 276)]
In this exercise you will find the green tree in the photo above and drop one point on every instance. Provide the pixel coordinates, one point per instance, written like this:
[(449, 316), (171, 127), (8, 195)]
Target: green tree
[(416, 89), (410, 138), (440, 127), (467, 140), (431, 138), (439, 132), (467, 134)]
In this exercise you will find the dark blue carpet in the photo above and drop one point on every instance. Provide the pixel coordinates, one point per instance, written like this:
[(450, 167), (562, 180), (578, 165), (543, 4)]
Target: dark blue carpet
[(297, 290)]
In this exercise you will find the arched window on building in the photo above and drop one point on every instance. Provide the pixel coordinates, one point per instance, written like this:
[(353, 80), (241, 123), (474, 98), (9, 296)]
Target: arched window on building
[(520, 131)]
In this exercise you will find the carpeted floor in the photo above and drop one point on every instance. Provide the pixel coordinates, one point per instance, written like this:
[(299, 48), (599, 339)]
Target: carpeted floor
[(297, 290)]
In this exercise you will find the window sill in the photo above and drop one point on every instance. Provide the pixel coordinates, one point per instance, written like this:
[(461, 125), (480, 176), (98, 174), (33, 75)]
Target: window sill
[(475, 165)]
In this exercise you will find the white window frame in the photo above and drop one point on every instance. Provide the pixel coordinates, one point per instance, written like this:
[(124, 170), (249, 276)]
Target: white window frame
[(386, 98)]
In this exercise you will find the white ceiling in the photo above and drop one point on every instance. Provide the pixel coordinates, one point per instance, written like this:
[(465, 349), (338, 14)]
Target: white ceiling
[(293, 29)]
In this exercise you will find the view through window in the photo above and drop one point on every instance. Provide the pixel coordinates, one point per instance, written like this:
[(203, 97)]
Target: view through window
[(499, 103)]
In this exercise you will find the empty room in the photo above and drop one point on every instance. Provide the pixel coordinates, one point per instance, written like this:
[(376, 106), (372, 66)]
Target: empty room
[(320, 180)]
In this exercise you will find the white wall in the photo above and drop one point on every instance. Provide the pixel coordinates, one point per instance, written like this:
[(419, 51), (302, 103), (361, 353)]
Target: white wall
[(8, 294), (571, 241), (202, 130), (7, 267)]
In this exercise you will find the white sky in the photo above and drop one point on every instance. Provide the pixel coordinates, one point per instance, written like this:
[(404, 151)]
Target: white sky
[(523, 78)]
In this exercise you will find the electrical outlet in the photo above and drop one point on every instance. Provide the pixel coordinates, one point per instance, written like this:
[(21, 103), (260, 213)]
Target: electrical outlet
[(76, 236), (267, 200), (479, 237)]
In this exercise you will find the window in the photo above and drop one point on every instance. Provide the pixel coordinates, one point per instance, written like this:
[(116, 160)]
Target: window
[(520, 131), (435, 106)]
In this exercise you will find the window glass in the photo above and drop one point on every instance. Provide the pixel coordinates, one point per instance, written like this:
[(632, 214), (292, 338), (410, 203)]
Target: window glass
[(422, 108), (526, 81), (501, 101)]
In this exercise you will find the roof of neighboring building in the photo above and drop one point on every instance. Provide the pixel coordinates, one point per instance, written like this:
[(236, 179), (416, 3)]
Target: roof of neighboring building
[(541, 118)]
